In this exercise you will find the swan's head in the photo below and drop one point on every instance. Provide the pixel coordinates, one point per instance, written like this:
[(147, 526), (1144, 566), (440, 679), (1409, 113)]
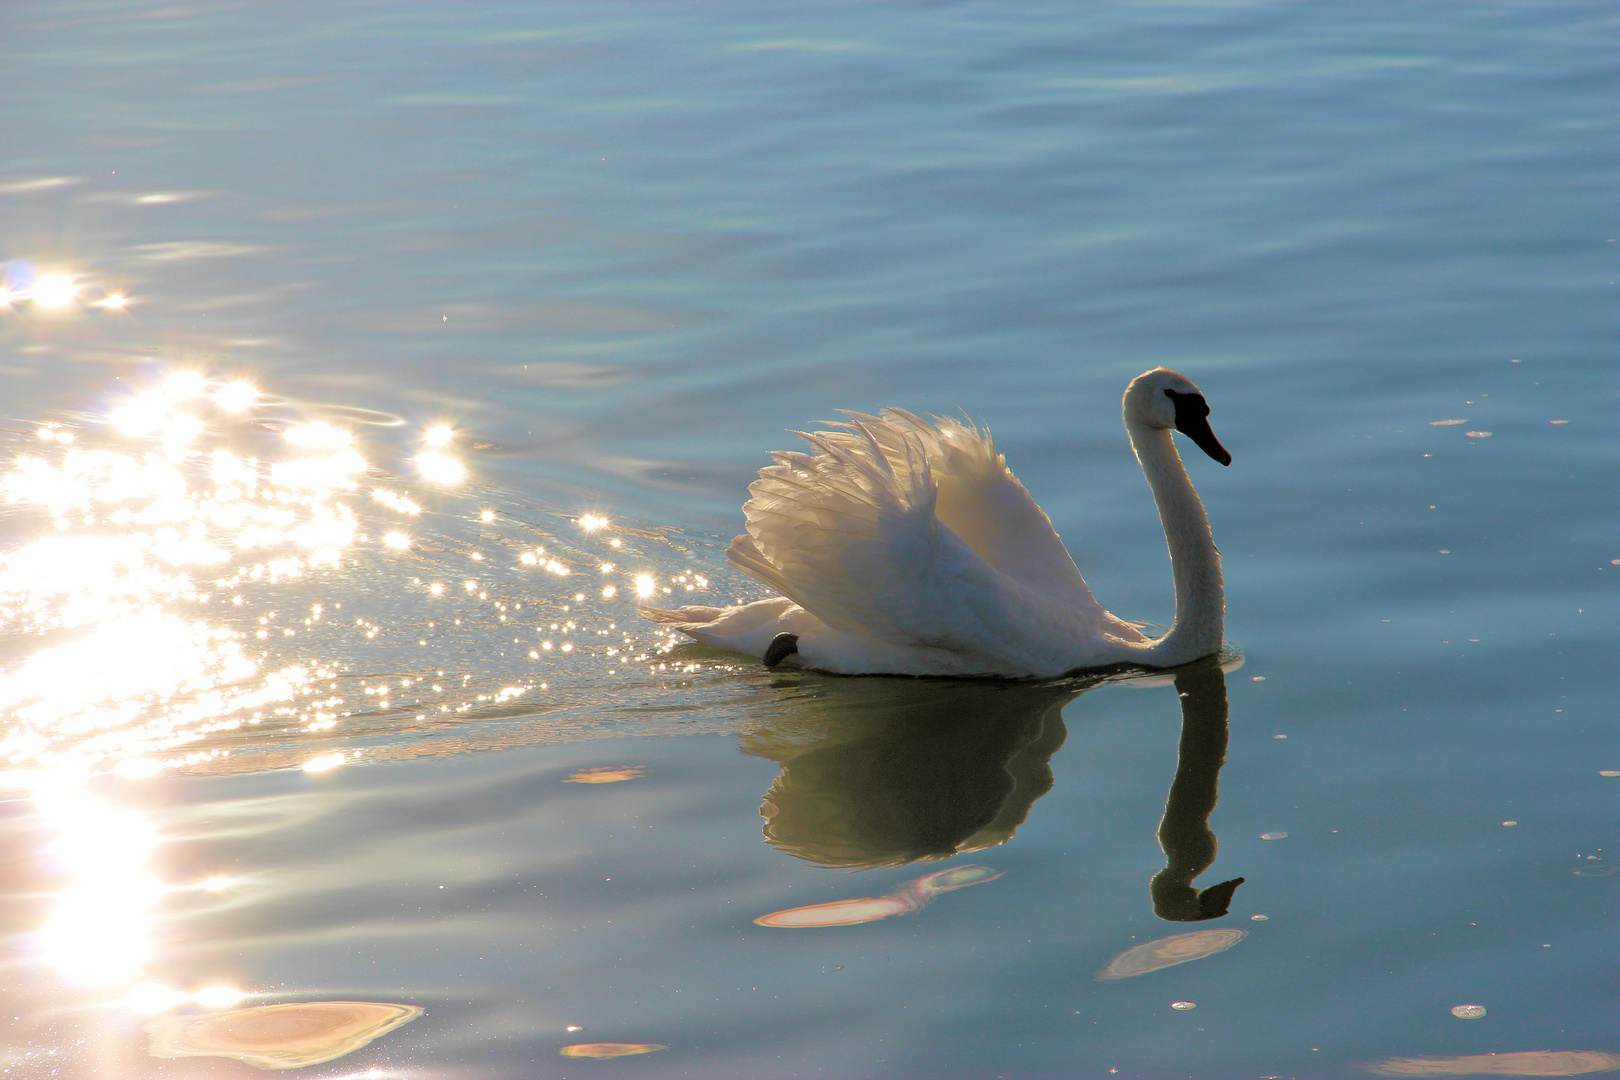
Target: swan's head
[(1168, 400)]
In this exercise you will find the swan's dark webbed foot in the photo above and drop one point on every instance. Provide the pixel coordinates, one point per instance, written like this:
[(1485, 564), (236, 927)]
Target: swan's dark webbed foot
[(781, 647)]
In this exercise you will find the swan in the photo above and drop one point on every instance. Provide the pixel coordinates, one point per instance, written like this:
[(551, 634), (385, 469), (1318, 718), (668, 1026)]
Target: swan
[(905, 546)]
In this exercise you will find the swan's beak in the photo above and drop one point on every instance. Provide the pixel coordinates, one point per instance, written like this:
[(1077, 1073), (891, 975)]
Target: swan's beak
[(1192, 420)]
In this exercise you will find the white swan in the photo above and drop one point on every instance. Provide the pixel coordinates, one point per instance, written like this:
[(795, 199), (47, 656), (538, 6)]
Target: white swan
[(907, 547)]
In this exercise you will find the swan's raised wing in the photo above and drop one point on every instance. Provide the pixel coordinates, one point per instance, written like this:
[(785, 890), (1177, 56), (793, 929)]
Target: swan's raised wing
[(982, 502), (870, 536)]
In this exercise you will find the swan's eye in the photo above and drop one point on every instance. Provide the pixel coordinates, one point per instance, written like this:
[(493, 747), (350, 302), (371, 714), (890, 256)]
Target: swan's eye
[(1193, 405)]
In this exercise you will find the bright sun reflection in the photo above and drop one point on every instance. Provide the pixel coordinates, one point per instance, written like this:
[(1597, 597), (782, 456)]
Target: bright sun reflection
[(236, 396), (153, 997), (54, 291), (126, 541), (319, 435), (141, 414), (440, 468), (183, 385), (165, 586), (218, 997), (103, 680), (99, 927)]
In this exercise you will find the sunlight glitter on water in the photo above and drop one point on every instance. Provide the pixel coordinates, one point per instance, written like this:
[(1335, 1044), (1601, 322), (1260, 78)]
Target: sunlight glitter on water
[(192, 582), (139, 683), (152, 602)]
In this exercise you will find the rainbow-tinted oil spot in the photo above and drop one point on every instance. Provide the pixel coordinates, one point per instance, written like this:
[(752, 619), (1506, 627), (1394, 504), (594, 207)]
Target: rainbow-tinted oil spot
[(610, 1050), (1524, 1063), (606, 774), (288, 1036), (910, 897), (1170, 951)]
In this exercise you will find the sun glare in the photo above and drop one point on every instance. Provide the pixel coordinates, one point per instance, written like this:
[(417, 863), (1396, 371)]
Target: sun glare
[(440, 468), (54, 291), (319, 435), (140, 415), (236, 396), (151, 998), (218, 997), (99, 927), (184, 385), (645, 585)]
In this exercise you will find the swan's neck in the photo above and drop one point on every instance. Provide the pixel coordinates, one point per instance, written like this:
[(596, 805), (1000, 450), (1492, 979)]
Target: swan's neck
[(1196, 564)]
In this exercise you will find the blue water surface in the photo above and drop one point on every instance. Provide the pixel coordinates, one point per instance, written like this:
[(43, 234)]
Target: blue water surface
[(618, 248)]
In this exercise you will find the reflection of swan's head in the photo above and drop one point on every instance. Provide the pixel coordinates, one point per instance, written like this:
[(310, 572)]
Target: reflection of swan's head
[(1168, 401)]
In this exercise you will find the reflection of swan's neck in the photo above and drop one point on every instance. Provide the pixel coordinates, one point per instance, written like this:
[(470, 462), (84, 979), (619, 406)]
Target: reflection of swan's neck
[(1184, 833), (1196, 564)]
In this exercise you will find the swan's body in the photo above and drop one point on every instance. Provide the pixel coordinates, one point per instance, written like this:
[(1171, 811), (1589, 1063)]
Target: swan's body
[(903, 546)]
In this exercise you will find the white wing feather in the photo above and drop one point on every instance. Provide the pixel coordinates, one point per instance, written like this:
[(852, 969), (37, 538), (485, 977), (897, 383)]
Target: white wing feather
[(917, 535), (982, 502)]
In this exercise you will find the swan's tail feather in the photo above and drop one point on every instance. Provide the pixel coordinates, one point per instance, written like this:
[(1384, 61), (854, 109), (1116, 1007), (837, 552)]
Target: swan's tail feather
[(748, 628), (746, 556), (810, 514), (693, 615)]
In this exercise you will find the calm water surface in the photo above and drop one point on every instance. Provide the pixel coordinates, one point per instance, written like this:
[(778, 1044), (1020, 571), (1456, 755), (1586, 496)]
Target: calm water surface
[(362, 363)]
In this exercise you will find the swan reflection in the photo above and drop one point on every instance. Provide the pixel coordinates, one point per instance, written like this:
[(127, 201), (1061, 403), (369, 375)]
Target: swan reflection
[(883, 772), (1184, 832)]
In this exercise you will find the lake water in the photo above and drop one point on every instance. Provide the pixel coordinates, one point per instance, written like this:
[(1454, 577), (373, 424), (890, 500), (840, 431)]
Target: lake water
[(362, 362)]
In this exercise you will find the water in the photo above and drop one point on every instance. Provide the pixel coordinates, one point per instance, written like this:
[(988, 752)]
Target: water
[(613, 250)]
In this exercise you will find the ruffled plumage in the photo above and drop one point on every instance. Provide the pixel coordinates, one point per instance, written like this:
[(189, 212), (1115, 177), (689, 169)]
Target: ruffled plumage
[(906, 546)]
